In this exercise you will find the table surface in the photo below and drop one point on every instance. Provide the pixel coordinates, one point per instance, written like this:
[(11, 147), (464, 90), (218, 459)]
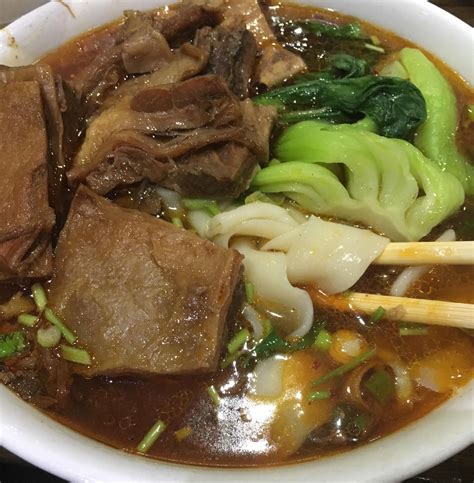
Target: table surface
[(458, 469)]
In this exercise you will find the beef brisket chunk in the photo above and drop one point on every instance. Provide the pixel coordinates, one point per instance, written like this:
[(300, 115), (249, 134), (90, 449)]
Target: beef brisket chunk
[(194, 137), (27, 219), (142, 295)]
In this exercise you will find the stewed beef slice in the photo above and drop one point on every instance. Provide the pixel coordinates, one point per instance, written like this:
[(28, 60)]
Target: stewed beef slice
[(195, 137), (275, 63), (232, 54), (142, 295), (26, 218)]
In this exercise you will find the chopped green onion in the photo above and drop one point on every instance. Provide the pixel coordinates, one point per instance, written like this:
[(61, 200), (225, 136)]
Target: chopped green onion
[(381, 385), (375, 40), (200, 204), (267, 327), (75, 354), (229, 359), (211, 390), (176, 220), (375, 48), (12, 343), (249, 292), (48, 337), (412, 329), (319, 395), (28, 320), (55, 320), (323, 340), (345, 368), (377, 315), (183, 433), (238, 340), (151, 436), (39, 296)]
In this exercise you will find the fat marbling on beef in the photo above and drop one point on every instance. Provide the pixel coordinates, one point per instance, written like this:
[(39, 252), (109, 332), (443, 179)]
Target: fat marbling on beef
[(142, 295)]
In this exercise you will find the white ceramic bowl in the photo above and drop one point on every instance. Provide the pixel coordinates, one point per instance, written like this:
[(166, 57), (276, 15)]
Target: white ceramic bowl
[(53, 447)]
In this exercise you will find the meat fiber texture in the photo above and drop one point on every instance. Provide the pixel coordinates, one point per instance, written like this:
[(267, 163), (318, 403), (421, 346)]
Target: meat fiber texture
[(26, 217), (194, 137), (142, 295)]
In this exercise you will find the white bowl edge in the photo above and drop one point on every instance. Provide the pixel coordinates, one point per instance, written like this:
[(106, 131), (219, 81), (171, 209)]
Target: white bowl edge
[(35, 437)]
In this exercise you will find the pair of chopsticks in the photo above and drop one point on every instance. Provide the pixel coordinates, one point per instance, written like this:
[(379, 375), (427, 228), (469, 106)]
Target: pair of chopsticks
[(433, 312)]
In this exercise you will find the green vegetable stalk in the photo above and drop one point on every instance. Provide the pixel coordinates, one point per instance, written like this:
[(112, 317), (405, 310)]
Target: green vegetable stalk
[(387, 184), (436, 137)]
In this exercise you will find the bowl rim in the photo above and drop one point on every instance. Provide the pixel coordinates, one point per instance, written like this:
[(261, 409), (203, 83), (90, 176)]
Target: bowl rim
[(37, 438)]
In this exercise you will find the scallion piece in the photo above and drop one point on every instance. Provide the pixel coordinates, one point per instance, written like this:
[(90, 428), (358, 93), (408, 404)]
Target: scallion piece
[(48, 337), (211, 390), (381, 385), (199, 204), (39, 296), (229, 359), (470, 112), (319, 395), (12, 343), (267, 327), (183, 433), (249, 292), (375, 40), (323, 340), (75, 354), (151, 437), (176, 220), (55, 320), (238, 340), (345, 368), (375, 48), (28, 320), (377, 315), (412, 330)]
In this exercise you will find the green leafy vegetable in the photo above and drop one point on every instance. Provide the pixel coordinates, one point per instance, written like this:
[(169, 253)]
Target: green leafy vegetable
[(388, 183), (200, 204), (436, 137), (396, 105), (151, 436), (345, 31), (345, 368), (381, 385), (12, 343), (340, 66)]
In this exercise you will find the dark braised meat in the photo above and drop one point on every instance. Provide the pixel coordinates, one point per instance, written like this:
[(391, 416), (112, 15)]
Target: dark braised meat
[(53, 104), (232, 55), (194, 137), (142, 295), (141, 45), (275, 63), (26, 217)]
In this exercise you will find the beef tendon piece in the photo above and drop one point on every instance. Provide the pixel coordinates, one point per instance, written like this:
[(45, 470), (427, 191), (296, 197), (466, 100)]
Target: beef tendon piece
[(142, 295), (194, 137), (26, 217)]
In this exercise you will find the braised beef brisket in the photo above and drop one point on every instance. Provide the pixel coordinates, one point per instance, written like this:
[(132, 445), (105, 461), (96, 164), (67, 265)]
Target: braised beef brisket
[(26, 217), (194, 137), (142, 295)]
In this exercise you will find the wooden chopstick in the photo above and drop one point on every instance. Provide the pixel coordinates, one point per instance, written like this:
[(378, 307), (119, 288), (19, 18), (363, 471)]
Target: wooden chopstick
[(427, 253), (403, 309)]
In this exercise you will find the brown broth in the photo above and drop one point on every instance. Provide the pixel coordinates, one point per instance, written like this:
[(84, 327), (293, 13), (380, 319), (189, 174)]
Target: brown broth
[(119, 411)]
